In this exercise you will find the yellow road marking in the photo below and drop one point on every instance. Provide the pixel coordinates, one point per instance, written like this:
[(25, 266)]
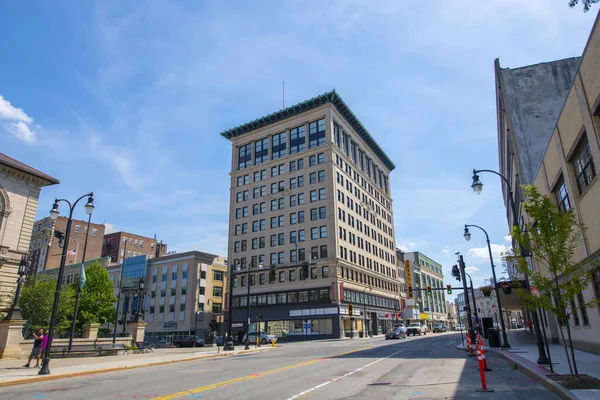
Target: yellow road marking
[(253, 376)]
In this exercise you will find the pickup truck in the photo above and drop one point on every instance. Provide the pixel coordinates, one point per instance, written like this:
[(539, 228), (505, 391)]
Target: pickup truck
[(416, 329)]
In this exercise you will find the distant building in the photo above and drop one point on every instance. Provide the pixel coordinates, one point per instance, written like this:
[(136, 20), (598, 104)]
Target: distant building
[(117, 243), (20, 187), (427, 272), (179, 288), (45, 248)]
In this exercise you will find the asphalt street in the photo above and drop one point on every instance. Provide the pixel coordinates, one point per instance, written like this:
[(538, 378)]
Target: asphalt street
[(428, 367)]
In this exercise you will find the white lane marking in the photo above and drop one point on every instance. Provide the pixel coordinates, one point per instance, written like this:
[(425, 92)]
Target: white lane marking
[(343, 376)]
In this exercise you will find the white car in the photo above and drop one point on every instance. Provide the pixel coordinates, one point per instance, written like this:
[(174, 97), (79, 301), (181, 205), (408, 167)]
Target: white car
[(264, 337), (416, 329)]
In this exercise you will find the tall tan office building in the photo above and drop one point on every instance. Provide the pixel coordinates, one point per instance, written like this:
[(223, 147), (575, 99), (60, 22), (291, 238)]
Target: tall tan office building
[(555, 146), (311, 202)]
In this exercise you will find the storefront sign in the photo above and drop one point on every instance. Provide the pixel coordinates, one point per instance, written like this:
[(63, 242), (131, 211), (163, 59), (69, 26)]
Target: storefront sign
[(170, 325), (409, 278)]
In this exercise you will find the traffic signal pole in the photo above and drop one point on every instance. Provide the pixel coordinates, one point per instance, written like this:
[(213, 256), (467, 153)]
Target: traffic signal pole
[(466, 293)]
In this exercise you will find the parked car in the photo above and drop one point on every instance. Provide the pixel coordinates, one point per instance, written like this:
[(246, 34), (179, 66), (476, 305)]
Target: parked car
[(264, 337), (439, 328), (416, 329), (396, 333), (188, 341), (459, 327)]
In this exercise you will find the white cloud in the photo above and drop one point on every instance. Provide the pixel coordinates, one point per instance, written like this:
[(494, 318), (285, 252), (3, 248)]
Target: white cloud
[(445, 250), (410, 246), (11, 113), (472, 269), (21, 131), (483, 253), (20, 122), (508, 238)]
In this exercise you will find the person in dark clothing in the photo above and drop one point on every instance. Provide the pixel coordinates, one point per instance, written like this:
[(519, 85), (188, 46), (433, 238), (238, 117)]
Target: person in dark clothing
[(37, 349)]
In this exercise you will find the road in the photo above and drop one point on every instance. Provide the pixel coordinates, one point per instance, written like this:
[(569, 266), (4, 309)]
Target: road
[(427, 367)]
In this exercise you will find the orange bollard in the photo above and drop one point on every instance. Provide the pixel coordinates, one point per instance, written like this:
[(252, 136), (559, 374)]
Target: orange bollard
[(481, 346), (484, 387), (469, 347)]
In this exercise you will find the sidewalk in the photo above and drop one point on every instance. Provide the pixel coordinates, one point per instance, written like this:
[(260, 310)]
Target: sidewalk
[(12, 372), (524, 352)]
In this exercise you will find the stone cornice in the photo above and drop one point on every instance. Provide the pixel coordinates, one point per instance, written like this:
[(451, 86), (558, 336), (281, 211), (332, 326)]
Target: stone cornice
[(24, 176)]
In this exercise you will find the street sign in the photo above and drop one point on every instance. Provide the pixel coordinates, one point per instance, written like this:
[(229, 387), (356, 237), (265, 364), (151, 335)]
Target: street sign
[(535, 291)]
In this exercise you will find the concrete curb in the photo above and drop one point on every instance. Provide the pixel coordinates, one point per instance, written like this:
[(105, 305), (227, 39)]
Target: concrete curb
[(43, 378), (535, 372)]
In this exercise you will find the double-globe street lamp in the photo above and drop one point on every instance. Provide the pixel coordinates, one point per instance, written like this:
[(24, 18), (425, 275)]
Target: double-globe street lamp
[(80, 285), (477, 188), (89, 208), (467, 236)]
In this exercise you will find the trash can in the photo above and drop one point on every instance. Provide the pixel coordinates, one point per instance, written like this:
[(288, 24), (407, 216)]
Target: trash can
[(493, 337)]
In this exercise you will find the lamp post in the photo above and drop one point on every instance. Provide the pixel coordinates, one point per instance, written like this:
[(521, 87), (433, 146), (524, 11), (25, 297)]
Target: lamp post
[(477, 188), (238, 266), (460, 271), (140, 293), (119, 294), (89, 207), (14, 311), (467, 236), (366, 329), (80, 286)]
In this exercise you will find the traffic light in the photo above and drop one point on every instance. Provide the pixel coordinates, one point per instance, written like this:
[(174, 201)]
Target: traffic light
[(429, 291), (272, 276), (350, 309), (305, 271), (410, 292), (456, 272), (449, 289)]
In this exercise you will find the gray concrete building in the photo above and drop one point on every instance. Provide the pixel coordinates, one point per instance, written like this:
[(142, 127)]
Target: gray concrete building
[(427, 272)]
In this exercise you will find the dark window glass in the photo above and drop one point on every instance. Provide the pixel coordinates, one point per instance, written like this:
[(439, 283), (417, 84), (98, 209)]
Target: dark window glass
[(261, 151), (245, 156), (316, 131), (279, 148), (297, 140), (583, 164)]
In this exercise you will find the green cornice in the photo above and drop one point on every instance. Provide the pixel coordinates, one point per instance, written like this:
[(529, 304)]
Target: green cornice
[(329, 97)]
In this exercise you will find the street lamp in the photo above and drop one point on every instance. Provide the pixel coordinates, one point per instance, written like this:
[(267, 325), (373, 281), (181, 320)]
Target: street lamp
[(467, 236), (119, 294), (15, 311), (238, 266), (140, 293), (366, 329), (89, 207), (473, 295)]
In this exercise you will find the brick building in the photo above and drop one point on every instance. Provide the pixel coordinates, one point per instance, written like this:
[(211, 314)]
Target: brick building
[(117, 243)]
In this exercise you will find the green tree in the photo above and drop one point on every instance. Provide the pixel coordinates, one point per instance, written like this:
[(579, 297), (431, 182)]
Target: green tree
[(37, 300), (96, 304), (587, 4), (553, 237)]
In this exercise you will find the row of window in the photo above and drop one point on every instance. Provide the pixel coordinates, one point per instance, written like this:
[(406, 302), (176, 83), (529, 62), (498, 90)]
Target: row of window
[(300, 296), (94, 231), (279, 144), (295, 165), (366, 279), (279, 239), (351, 149), (350, 296), (296, 255), (289, 275)]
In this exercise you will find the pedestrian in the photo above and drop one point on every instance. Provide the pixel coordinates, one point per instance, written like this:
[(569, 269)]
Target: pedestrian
[(36, 351), (45, 340), (530, 326)]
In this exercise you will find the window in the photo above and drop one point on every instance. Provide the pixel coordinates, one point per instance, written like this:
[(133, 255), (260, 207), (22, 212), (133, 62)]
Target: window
[(218, 276), (322, 176), (164, 277), (301, 199), (273, 222), (322, 212), (183, 290), (313, 195), (174, 276), (325, 271), (353, 151), (361, 160), (316, 133), (320, 158), (217, 308), (583, 164), (163, 293), (314, 214), (314, 233), (293, 219), (77, 228), (217, 291), (312, 160), (301, 214), (182, 307), (245, 156), (293, 255), (292, 276), (345, 143), (313, 273), (281, 239), (562, 196), (584, 315), (154, 278), (297, 140), (279, 148), (261, 151), (161, 309), (293, 237), (300, 164), (301, 235), (313, 178), (336, 134), (322, 195), (301, 181), (323, 231), (173, 291)]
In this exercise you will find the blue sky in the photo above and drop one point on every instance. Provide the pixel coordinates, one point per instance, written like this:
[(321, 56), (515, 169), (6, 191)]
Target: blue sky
[(128, 100)]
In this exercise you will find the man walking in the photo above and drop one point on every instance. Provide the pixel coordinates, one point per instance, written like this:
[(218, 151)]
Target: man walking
[(37, 349)]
